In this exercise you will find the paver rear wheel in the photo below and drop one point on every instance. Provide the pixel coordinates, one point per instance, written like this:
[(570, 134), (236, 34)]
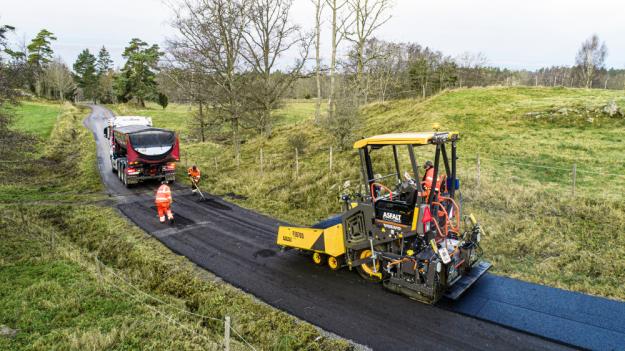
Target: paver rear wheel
[(335, 263), (318, 258)]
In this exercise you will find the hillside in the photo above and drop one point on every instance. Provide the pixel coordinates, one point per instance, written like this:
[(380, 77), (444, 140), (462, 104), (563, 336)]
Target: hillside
[(528, 140)]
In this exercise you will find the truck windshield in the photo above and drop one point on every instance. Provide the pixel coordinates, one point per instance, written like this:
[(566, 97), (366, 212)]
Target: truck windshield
[(152, 138)]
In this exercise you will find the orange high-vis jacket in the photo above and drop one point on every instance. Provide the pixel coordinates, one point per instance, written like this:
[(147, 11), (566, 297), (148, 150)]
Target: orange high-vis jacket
[(428, 179), (195, 174), (163, 195)]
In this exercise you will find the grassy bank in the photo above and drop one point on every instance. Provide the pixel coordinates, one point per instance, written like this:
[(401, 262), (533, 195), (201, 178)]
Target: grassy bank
[(528, 140), (60, 167), (37, 117), (75, 275)]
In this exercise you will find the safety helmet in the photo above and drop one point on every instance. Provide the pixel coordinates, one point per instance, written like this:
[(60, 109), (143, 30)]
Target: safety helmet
[(428, 164)]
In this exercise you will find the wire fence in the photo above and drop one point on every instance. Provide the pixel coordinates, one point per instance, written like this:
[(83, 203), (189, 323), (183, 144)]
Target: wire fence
[(475, 169), (227, 324)]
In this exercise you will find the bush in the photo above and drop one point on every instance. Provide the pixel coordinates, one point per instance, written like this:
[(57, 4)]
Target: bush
[(298, 141), (163, 100), (345, 121)]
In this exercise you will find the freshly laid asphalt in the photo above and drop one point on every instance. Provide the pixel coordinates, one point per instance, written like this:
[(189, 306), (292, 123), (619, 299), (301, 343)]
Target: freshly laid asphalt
[(238, 245)]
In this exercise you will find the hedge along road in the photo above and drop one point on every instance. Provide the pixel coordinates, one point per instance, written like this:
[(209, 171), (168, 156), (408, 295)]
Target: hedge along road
[(238, 245)]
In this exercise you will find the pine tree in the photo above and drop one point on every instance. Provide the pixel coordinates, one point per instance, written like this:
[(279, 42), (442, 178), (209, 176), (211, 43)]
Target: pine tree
[(39, 50), (104, 63), (3, 30), (40, 53), (85, 74), (137, 78), (104, 69)]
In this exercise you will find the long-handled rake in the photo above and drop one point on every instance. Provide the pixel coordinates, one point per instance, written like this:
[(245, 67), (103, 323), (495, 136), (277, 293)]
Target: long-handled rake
[(198, 189)]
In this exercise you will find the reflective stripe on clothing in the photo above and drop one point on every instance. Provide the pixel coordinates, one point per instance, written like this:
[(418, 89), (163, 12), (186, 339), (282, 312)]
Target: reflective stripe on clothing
[(162, 209), (163, 194)]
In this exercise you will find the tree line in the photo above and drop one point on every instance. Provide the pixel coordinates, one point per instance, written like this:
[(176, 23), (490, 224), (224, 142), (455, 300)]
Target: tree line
[(229, 58), (238, 60), (406, 70), (92, 77)]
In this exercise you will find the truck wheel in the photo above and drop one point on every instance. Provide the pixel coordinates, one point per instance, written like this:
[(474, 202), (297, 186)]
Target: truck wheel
[(122, 176)]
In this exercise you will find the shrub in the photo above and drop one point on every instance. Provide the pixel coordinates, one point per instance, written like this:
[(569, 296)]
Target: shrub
[(163, 100), (298, 141), (345, 121)]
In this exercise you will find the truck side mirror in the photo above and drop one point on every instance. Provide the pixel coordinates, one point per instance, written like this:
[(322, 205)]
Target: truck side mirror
[(106, 132)]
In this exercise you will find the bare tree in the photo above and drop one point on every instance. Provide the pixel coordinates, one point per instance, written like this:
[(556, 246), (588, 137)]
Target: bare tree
[(338, 24), (346, 119), (470, 66), (369, 16), (590, 59), (210, 35), (194, 87), (319, 4), (58, 79), (268, 37), (384, 69)]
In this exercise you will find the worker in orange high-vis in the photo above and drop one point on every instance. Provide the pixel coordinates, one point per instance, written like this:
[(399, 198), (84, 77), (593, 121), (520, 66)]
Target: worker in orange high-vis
[(163, 202), (194, 175), (428, 177)]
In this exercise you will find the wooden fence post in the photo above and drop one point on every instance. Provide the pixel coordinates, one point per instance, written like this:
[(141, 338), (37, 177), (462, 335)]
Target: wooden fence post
[(296, 163), (227, 334), (477, 178), (330, 159), (261, 161), (574, 178)]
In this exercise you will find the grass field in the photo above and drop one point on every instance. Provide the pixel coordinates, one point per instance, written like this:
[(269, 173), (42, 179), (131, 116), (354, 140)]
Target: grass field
[(36, 117), (176, 116), (528, 140), (74, 275)]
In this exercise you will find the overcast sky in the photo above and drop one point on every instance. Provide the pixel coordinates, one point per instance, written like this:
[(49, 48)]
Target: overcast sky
[(511, 33)]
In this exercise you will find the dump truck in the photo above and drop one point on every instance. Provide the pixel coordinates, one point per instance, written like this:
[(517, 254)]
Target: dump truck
[(404, 230), (140, 152)]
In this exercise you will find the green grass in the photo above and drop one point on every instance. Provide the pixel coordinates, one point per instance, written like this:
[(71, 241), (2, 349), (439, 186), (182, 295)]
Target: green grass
[(36, 117), (67, 154), (295, 111), (75, 275), (176, 116), (536, 230), (173, 117)]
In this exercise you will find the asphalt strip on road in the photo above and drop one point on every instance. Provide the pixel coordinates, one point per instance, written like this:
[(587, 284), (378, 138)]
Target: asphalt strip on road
[(238, 245)]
